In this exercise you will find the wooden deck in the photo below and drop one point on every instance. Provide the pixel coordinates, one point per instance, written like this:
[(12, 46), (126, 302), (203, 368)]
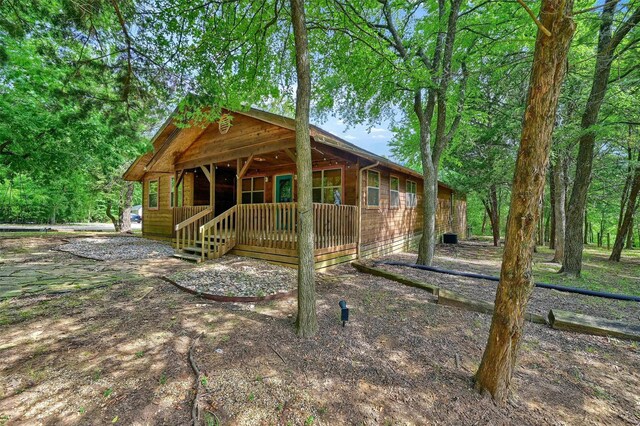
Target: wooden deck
[(269, 231)]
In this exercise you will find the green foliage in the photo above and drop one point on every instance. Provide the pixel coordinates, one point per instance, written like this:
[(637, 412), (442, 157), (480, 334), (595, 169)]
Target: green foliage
[(68, 121)]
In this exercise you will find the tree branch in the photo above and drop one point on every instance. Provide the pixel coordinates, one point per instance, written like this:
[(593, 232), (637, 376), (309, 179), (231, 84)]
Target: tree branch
[(535, 18)]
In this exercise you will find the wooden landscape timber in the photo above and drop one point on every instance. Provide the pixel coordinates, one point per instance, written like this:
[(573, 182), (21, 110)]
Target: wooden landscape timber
[(571, 321), (395, 277), (444, 297), (557, 319), (451, 298)]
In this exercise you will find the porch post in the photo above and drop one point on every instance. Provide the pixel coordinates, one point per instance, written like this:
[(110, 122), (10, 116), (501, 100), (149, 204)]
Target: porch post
[(238, 181), (212, 187)]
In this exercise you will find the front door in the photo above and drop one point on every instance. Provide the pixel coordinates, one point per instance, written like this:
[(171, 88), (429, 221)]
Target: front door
[(284, 189), (283, 194)]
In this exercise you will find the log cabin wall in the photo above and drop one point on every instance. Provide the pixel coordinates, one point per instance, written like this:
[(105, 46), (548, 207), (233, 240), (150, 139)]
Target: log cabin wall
[(157, 222), (444, 218), (188, 188), (385, 229)]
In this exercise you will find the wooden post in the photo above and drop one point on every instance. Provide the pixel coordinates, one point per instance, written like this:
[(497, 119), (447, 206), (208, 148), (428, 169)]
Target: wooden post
[(238, 181), (212, 187)]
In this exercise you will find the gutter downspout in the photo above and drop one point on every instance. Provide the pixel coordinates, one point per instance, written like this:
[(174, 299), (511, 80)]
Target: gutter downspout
[(376, 164)]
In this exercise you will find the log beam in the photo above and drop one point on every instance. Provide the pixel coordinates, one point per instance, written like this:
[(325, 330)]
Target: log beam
[(246, 167)]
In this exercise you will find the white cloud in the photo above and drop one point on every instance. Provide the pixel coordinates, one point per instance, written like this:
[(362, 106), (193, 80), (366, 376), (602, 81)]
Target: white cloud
[(350, 137), (378, 130)]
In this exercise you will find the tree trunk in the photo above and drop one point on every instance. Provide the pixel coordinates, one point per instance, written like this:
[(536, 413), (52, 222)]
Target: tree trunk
[(516, 281), (443, 53), (484, 222), (559, 211), (607, 44), (426, 248), (629, 244), (492, 207), (125, 211), (552, 207), (628, 217), (115, 220), (307, 321), (53, 219)]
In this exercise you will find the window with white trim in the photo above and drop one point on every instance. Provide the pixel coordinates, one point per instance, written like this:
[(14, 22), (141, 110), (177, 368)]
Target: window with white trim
[(152, 197), (412, 198), (253, 190), (373, 188), (327, 186), (394, 192)]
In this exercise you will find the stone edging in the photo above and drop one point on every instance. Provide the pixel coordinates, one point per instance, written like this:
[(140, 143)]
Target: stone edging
[(235, 299)]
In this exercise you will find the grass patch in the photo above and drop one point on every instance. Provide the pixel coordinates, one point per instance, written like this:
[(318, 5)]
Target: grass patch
[(598, 273)]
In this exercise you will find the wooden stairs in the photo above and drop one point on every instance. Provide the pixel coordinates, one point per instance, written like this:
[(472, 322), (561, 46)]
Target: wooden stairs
[(197, 241), (194, 253)]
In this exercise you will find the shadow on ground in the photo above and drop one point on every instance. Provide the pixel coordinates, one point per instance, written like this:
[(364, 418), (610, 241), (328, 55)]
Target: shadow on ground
[(119, 355)]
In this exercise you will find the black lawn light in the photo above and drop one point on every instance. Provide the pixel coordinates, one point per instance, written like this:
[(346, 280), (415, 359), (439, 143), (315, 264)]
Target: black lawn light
[(345, 312)]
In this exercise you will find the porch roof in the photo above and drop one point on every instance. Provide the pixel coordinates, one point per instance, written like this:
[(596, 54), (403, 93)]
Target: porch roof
[(168, 141)]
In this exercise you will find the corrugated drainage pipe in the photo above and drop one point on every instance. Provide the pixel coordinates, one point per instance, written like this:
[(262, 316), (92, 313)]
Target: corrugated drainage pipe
[(565, 289)]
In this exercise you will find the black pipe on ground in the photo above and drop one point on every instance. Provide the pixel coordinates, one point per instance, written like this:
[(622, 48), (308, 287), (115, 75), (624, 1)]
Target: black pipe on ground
[(565, 289)]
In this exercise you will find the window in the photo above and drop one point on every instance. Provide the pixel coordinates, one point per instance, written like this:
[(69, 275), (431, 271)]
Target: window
[(253, 190), (153, 194), (394, 192), (412, 200), (327, 186), (175, 202), (373, 188)]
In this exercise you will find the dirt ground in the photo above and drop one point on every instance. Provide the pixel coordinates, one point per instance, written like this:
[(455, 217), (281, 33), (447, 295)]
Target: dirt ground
[(479, 257), (117, 354)]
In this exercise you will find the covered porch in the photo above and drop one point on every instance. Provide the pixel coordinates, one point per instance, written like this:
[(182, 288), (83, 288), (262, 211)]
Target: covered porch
[(248, 206)]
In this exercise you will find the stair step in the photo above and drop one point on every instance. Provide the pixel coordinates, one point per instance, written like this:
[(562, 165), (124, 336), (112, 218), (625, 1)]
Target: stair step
[(188, 257), (214, 239), (196, 249)]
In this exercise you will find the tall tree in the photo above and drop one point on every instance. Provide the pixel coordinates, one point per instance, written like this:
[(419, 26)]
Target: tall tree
[(556, 28), (307, 322), (607, 50), (388, 42), (559, 207), (626, 226), (67, 114)]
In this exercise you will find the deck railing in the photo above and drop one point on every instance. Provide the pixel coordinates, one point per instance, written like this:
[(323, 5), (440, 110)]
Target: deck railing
[(334, 225), (188, 231), (180, 214), (274, 225), (218, 236), (270, 225)]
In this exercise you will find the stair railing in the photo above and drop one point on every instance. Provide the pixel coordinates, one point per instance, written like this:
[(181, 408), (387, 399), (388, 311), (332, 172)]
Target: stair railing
[(187, 231), (218, 236)]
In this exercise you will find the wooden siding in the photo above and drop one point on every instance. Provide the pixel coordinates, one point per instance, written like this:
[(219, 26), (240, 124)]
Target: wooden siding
[(382, 225), (157, 222), (188, 182), (387, 230), (245, 137)]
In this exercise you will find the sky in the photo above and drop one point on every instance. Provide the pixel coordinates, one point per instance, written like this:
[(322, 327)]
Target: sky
[(376, 140)]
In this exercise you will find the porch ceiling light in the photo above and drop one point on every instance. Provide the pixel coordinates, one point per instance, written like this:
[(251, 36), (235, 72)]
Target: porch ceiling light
[(259, 159)]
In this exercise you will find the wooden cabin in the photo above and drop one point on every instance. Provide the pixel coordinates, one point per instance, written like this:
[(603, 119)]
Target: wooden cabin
[(218, 189)]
